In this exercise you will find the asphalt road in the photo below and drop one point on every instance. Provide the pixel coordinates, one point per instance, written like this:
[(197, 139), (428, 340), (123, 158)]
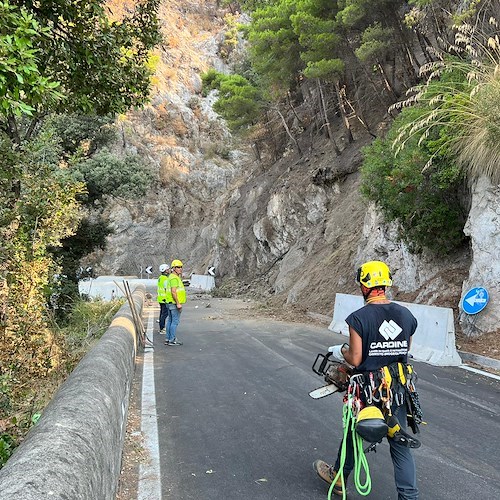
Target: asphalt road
[(235, 420)]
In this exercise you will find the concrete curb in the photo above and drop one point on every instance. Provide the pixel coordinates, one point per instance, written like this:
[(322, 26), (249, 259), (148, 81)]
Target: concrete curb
[(74, 452), (480, 360)]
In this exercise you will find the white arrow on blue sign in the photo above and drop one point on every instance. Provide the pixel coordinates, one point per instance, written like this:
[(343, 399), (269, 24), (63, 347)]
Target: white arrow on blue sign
[(475, 300)]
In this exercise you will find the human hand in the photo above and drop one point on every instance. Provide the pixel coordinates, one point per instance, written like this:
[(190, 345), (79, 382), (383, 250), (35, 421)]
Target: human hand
[(337, 354)]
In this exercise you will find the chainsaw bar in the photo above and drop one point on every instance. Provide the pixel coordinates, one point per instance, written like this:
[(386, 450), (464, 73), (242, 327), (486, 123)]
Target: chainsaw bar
[(326, 390)]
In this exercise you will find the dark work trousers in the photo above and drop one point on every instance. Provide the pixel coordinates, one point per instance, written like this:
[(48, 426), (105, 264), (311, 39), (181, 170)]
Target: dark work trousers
[(405, 473), (163, 314)]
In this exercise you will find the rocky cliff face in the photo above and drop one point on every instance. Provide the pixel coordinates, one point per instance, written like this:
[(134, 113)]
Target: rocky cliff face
[(292, 232)]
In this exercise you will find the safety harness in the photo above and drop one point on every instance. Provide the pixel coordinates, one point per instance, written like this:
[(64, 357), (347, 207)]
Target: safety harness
[(382, 388)]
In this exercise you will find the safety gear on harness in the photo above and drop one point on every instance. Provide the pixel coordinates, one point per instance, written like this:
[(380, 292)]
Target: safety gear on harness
[(402, 437), (374, 273), (176, 263), (163, 268), (370, 424)]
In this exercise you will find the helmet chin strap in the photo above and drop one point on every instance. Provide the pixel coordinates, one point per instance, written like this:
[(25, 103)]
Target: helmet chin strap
[(379, 292)]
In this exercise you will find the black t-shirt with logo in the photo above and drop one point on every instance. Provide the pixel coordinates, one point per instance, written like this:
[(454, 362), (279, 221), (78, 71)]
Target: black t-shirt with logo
[(385, 330)]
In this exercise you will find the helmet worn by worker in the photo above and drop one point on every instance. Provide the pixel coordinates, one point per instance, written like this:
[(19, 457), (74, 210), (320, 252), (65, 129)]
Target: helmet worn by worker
[(176, 263), (370, 424), (163, 268), (374, 273)]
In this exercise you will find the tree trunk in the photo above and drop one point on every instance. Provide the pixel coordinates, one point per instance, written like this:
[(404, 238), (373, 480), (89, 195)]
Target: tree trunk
[(343, 112), (358, 115), (12, 130), (289, 99), (424, 43), (285, 126), (386, 82), (326, 123), (271, 136)]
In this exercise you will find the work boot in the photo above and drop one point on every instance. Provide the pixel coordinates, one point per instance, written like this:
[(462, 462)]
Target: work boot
[(327, 473)]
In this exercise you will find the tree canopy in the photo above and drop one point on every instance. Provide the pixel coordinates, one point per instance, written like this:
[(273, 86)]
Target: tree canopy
[(66, 69), (68, 56)]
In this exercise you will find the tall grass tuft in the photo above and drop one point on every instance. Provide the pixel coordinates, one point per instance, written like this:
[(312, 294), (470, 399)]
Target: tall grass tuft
[(467, 104)]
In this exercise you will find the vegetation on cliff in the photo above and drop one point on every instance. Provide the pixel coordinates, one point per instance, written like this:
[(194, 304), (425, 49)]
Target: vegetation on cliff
[(344, 60)]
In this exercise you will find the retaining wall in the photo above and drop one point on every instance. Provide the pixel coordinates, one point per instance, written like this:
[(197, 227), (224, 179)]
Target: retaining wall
[(74, 451)]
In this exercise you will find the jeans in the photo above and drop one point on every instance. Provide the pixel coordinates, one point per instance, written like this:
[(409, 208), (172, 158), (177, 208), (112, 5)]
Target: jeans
[(174, 317), (163, 314), (405, 473)]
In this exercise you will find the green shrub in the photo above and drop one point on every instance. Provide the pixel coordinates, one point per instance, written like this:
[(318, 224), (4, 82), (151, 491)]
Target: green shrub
[(107, 174), (425, 200), (239, 101)]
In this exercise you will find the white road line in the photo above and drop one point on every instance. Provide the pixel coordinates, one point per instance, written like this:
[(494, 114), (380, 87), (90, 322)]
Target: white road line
[(481, 372), (149, 473)]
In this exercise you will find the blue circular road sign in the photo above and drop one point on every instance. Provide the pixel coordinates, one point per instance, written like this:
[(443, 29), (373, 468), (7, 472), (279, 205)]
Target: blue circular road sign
[(475, 300)]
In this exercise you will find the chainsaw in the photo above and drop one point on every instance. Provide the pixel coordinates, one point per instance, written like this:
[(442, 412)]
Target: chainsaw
[(336, 376)]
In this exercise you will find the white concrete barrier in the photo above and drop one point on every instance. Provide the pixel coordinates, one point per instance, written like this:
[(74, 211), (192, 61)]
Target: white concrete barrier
[(202, 282), (433, 341), (111, 287)]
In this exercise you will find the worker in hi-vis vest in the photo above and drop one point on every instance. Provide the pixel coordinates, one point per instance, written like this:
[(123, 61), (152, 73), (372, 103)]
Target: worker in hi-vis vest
[(176, 296), (161, 295)]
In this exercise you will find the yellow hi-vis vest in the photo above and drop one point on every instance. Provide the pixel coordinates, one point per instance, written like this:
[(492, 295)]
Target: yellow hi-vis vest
[(175, 281), (161, 292)]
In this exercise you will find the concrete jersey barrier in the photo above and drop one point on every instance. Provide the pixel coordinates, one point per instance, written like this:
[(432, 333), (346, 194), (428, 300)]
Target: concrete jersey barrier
[(111, 287), (74, 451), (202, 282), (433, 341)]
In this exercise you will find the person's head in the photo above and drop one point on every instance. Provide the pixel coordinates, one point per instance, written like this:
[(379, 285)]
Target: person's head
[(164, 268), (373, 275), (176, 266)]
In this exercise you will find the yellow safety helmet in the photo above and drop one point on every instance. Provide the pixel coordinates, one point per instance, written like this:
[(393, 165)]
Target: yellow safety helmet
[(370, 424), (176, 263), (374, 273)]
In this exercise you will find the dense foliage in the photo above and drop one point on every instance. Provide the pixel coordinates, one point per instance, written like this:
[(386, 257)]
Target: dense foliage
[(425, 201), (239, 102), (65, 69)]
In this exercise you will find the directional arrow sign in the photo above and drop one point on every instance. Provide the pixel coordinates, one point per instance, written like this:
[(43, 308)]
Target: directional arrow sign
[(149, 269), (475, 300), (211, 271)]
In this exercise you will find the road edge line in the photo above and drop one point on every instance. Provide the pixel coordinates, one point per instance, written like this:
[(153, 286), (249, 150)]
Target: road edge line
[(149, 485)]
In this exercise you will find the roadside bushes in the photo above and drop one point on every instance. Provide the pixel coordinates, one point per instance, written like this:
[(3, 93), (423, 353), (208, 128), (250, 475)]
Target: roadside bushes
[(426, 198)]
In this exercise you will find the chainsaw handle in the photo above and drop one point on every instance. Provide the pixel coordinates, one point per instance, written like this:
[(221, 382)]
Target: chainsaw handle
[(321, 369)]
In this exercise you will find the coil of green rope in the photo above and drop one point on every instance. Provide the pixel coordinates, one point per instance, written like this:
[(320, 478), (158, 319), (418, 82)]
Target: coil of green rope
[(360, 461)]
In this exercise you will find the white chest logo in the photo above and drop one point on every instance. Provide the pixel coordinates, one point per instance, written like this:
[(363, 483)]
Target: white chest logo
[(389, 330)]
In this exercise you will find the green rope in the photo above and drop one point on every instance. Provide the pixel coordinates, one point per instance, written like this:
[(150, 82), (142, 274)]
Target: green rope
[(347, 417), (360, 464), (360, 461)]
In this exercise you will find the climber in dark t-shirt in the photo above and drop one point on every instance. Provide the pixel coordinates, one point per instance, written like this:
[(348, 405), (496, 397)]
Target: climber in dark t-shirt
[(380, 334), (385, 330)]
